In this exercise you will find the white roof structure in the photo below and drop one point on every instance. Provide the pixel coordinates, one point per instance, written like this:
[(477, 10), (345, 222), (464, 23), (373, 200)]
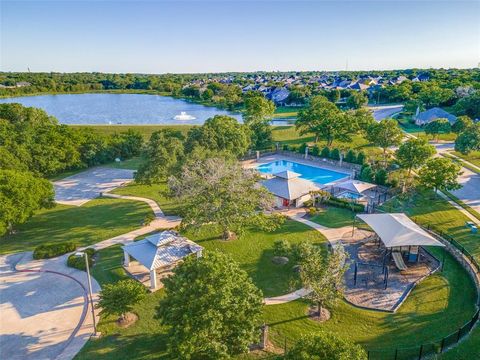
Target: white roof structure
[(161, 249), (356, 186), (398, 230), (288, 185)]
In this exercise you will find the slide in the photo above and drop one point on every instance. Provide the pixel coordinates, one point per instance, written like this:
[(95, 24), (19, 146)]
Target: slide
[(397, 257)]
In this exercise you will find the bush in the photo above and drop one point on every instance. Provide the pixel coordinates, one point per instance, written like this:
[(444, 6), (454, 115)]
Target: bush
[(366, 174), (351, 156), (48, 251), (78, 262), (361, 158), (325, 152), (285, 147), (282, 248), (300, 250), (293, 148), (316, 150), (308, 203), (381, 177), (341, 203), (312, 211), (335, 154), (302, 148), (148, 219)]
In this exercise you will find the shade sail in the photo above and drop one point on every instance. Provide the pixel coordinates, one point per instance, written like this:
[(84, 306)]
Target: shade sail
[(356, 186), (398, 230)]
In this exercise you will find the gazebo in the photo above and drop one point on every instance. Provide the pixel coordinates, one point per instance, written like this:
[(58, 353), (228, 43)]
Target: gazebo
[(400, 235), (162, 250)]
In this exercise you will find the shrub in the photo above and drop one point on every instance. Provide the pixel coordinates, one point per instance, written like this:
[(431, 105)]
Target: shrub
[(78, 262), (302, 148), (312, 211), (335, 154), (300, 250), (361, 158), (341, 203), (325, 152), (293, 148), (381, 177), (282, 248), (148, 219), (366, 174), (308, 203), (316, 150), (48, 251), (351, 156), (285, 147)]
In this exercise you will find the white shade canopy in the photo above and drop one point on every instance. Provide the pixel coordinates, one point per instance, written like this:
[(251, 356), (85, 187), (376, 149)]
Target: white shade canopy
[(398, 230), (356, 186)]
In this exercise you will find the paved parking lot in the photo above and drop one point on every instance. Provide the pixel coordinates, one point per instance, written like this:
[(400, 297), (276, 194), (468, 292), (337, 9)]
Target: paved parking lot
[(87, 185)]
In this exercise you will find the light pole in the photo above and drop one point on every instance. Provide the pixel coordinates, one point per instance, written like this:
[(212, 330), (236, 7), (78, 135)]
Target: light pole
[(85, 255)]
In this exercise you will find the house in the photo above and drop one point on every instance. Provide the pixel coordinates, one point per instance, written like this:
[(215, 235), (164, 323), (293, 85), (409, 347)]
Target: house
[(359, 86), (432, 114), (421, 77), (156, 255), (279, 95), (289, 189)]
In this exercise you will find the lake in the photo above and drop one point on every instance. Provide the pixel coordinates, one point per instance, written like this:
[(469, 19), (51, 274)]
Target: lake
[(102, 109)]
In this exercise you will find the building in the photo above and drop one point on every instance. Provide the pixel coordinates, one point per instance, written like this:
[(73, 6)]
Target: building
[(156, 255), (433, 114), (289, 189)]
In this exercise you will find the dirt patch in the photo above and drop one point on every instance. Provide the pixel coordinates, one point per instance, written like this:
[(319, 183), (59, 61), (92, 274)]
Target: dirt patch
[(128, 320), (315, 316)]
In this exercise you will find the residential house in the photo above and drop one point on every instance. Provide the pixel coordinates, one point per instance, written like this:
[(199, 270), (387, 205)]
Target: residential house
[(432, 114)]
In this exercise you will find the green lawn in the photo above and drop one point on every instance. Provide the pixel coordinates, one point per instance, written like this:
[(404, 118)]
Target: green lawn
[(335, 217), (130, 164), (421, 318), (97, 220), (157, 192), (473, 157)]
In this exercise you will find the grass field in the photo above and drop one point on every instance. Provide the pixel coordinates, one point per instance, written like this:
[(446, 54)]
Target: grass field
[(97, 220), (336, 217), (157, 192), (473, 157)]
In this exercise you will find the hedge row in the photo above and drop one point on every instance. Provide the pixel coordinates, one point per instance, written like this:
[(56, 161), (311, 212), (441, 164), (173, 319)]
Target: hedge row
[(47, 251), (341, 203), (78, 262), (327, 153)]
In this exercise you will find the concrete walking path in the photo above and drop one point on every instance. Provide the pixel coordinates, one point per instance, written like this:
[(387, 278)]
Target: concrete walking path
[(45, 309)]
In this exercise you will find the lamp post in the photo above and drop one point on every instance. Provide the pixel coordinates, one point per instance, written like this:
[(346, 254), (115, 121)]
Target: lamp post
[(85, 255)]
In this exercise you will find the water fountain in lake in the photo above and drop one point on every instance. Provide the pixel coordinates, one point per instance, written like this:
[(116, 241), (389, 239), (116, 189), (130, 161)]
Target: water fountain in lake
[(184, 116)]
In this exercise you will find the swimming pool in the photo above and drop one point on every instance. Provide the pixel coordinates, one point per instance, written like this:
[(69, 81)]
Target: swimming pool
[(312, 173)]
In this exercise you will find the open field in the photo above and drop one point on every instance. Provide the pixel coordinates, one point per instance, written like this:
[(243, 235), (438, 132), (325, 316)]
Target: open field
[(97, 220), (473, 157)]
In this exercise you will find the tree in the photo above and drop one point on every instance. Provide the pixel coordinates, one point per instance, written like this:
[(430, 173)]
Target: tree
[(414, 153), (433, 95), (469, 106), (212, 308), (462, 123), (468, 140), (440, 174), (221, 192), (323, 119), (437, 127), (357, 99), (220, 133), (362, 118), (384, 134), (162, 154), (257, 116), (21, 194), (323, 275), (323, 346), (120, 297)]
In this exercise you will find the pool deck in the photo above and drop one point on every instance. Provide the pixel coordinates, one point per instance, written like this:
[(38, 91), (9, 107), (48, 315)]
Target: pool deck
[(253, 163)]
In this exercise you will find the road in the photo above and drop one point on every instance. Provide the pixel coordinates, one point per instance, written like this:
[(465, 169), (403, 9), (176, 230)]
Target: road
[(383, 112)]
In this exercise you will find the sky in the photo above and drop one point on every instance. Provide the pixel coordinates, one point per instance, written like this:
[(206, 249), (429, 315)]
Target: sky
[(217, 36)]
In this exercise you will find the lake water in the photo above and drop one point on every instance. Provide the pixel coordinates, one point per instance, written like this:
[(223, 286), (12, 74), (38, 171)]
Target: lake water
[(103, 109)]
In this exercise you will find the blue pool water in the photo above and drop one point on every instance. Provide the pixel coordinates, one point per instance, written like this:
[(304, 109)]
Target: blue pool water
[(349, 195), (312, 173)]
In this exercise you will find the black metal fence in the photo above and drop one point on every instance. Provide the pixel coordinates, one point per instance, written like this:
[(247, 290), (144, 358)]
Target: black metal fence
[(427, 349)]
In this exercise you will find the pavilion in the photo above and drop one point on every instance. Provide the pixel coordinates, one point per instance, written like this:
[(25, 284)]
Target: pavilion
[(400, 235), (158, 252)]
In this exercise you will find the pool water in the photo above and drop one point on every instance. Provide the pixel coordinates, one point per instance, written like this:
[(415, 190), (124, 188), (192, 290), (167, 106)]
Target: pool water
[(312, 173), (349, 195)]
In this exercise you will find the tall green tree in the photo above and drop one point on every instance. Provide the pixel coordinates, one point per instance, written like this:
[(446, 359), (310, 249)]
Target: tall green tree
[(120, 297), (461, 124), (323, 346), (323, 275), (163, 153), (440, 174), (385, 134), (414, 153), (212, 308), (21, 194), (357, 99), (220, 133), (324, 120), (257, 116), (468, 140), (437, 127), (220, 191)]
